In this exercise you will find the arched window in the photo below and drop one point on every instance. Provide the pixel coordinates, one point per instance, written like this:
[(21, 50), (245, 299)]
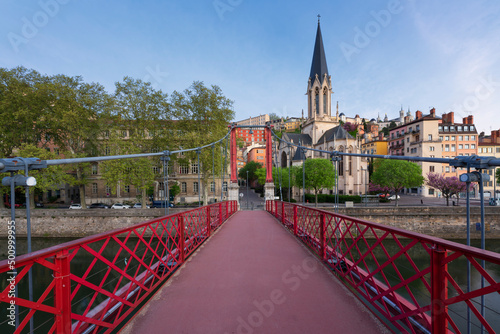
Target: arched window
[(325, 101), (316, 99)]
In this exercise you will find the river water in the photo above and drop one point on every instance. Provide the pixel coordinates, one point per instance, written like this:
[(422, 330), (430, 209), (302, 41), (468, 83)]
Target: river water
[(421, 293)]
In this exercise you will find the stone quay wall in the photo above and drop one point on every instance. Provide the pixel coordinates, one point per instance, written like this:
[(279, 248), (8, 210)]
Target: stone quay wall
[(442, 222)]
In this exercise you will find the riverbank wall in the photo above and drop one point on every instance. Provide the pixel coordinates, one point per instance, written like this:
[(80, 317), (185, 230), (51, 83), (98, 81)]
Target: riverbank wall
[(442, 222)]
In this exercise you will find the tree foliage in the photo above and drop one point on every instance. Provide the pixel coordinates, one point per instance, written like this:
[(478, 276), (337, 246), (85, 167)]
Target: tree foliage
[(448, 186), (203, 114), (397, 175), (252, 167), (319, 174)]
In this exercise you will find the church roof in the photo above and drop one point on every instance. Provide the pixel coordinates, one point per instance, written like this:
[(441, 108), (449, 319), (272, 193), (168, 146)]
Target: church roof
[(299, 155), (294, 138), (336, 133), (318, 65)]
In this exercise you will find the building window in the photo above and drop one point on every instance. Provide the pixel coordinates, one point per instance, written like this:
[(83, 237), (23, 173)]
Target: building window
[(195, 187), (431, 191), (453, 147), (473, 146), (94, 188), (431, 169), (453, 137), (472, 137), (441, 138), (224, 186), (155, 169), (194, 168), (94, 169), (183, 187), (108, 190), (212, 187), (446, 148), (183, 169), (466, 137), (447, 169), (431, 148), (127, 189), (466, 146), (460, 146), (447, 138), (107, 151), (429, 137)]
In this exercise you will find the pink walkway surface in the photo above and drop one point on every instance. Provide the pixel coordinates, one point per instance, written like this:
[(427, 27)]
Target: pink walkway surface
[(253, 276)]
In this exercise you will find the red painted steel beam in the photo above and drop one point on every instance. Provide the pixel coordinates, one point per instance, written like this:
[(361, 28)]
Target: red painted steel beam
[(438, 291), (62, 293), (269, 154), (233, 156)]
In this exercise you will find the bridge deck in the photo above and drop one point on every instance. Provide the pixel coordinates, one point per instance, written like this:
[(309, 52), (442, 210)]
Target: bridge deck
[(253, 277)]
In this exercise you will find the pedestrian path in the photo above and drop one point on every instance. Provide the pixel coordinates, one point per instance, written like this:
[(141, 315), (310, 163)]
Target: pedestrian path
[(252, 276)]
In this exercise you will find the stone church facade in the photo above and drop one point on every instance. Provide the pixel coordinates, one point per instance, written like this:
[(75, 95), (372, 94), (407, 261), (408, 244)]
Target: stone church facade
[(323, 131)]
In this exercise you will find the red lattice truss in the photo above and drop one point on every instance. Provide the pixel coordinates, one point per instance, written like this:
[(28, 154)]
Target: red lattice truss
[(413, 296), (93, 284)]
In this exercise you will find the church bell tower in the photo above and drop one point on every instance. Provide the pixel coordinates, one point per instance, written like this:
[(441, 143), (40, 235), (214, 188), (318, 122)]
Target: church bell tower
[(319, 88)]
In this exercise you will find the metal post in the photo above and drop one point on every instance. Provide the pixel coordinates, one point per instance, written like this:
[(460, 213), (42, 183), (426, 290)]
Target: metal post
[(304, 178), (220, 213), (13, 220), (213, 167), (467, 195), (438, 291), (247, 190), (209, 222), (62, 292), (199, 182), (295, 220), (181, 239), (289, 170), (28, 228), (322, 241), (283, 213), (483, 241)]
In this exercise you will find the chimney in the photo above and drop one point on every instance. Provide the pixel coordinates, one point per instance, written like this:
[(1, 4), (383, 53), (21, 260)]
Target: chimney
[(464, 121), (433, 112), (494, 136), (418, 114), (470, 119)]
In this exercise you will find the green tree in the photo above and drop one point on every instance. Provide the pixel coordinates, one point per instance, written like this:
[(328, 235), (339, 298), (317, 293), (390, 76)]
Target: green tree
[(203, 114), (252, 167), (319, 174), (140, 113), (49, 178), (80, 114), (397, 175), (174, 190)]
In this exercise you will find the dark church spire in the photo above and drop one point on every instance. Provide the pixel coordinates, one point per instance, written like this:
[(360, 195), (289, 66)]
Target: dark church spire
[(318, 65)]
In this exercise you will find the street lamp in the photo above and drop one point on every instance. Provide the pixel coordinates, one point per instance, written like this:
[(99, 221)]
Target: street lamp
[(247, 191)]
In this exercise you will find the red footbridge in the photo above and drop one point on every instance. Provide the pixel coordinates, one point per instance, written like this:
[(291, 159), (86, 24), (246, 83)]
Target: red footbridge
[(288, 269)]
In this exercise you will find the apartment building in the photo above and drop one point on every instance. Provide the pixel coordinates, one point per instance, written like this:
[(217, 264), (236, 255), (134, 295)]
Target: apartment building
[(259, 120), (418, 138), (457, 139), (490, 146), (250, 136)]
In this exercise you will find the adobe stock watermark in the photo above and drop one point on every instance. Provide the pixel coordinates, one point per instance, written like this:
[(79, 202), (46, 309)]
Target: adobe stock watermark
[(482, 92), (363, 37), (223, 6), (292, 278), (155, 76), (31, 27), (11, 280)]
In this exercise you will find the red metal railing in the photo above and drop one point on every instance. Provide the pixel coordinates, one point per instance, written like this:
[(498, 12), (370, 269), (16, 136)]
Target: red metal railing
[(93, 284), (412, 282)]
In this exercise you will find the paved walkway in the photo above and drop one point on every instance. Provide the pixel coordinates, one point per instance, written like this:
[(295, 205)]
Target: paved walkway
[(252, 276)]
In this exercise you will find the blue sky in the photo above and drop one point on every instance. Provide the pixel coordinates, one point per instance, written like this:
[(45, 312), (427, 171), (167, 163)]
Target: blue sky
[(381, 54)]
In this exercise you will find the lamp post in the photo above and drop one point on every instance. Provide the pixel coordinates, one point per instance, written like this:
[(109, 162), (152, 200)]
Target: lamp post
[(247, 191)]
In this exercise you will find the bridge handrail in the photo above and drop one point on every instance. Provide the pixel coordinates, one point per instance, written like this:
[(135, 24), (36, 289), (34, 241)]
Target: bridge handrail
[(348, 246), (126, 266)]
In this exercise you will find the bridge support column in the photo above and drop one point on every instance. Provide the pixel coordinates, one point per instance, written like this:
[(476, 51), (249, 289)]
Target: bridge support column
[(269, 191)]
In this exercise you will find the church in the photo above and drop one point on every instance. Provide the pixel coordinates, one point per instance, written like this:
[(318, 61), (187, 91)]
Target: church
[(323, 131)]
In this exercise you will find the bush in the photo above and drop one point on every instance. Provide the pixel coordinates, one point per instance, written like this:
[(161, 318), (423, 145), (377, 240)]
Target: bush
[(326, 198)]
